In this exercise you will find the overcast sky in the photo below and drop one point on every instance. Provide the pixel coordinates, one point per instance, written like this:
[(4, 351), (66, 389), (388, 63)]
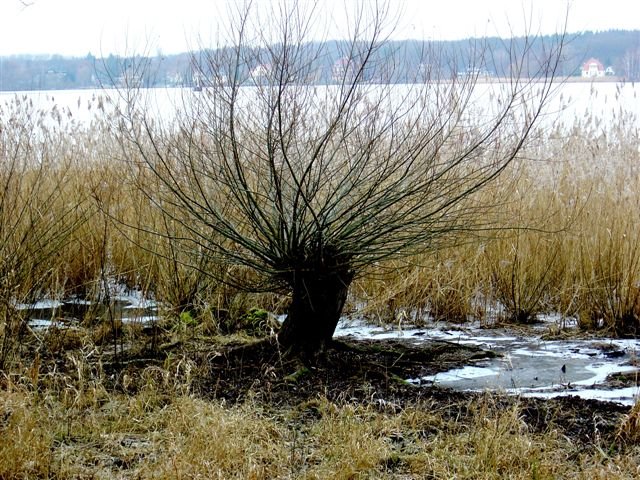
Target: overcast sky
[(77, 27)]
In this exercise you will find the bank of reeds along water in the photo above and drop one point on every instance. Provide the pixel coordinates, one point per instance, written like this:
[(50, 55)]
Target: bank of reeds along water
[(570, 243), (563, 235), (565, 238)]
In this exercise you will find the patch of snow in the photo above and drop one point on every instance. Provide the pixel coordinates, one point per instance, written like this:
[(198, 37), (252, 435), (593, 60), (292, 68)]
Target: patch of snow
[(361, 330), (40, 323), (142, 320), (602, 370), (39, 305), (135, 300), (626, 396)]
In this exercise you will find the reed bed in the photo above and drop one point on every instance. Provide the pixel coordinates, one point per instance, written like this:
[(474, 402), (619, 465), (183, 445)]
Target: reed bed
[(563, 238), (566, 242)]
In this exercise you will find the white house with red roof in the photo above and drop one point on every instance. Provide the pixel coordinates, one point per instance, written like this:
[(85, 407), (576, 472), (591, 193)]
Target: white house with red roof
[(593, 68)]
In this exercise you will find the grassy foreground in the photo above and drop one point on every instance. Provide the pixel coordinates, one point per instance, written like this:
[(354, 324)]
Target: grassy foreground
[(72, 426)]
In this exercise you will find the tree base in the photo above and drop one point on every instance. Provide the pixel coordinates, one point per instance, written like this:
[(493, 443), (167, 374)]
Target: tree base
[(315, 310)]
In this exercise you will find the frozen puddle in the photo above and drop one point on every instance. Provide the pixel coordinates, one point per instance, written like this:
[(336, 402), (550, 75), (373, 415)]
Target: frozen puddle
[(129, 309), (527, 365), (540, 377)]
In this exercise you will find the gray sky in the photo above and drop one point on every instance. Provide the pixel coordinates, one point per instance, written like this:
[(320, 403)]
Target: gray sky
[(77, 27)]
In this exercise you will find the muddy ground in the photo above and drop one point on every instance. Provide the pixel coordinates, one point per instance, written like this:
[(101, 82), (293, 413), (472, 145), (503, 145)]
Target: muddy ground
[(371, 372)]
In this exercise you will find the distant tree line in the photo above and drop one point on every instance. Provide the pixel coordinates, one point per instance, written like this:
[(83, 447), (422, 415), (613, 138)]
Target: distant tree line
[(619, 49)]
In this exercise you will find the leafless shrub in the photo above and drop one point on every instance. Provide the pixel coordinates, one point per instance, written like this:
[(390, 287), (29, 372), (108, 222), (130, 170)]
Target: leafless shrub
[(303, 185)]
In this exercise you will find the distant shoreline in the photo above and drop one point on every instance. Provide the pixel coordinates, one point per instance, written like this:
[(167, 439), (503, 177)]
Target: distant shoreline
[(479, 81), (607, 79)]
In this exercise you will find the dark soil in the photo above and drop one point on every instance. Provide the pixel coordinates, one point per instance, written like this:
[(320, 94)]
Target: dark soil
[(374, 372), (347, 370), (371, 372)]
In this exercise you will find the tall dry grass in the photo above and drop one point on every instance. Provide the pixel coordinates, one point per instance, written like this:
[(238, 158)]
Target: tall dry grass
[(40, 209), (566, 242), (563, 238)]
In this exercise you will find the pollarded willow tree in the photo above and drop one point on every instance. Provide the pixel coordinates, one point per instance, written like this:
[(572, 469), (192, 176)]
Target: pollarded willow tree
[(304, 162)]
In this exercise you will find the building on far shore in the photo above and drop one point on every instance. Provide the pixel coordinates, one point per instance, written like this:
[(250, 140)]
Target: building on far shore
[(594, 68)]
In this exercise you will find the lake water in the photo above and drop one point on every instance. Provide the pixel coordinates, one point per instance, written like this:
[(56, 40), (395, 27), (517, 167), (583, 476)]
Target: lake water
[(602, 103)]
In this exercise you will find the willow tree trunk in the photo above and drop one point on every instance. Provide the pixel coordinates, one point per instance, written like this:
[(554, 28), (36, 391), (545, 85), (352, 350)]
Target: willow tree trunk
[(316, 306)]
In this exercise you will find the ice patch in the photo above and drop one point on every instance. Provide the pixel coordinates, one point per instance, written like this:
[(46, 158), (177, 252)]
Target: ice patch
[(79, 301), (602, 371), (464, 373), (527, 365), (626, 396), (40, 305), (40, 324), (142, 320)]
